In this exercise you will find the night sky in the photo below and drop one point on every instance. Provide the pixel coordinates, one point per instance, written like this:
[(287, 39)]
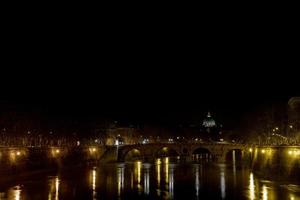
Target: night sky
[(162, 80), (154, 97)]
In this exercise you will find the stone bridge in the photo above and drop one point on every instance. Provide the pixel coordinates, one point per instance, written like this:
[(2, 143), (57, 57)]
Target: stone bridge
[(217, 151)]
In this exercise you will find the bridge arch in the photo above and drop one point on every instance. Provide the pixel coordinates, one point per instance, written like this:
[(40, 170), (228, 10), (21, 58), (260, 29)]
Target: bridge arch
[(131, 154), (167, 152)]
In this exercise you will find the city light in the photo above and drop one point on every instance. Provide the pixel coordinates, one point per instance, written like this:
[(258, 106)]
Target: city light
[(170, 140), (145, 141), (55, 152), (294, 152), (93, 149), (263, 151), (250, 150), (18, 153), (12, 157)]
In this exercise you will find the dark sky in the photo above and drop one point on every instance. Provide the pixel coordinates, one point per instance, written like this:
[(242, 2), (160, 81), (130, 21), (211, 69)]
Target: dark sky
[(151, 76), (152, 95)]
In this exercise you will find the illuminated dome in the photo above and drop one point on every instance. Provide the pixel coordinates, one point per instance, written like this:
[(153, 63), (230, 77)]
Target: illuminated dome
[(209, 122)]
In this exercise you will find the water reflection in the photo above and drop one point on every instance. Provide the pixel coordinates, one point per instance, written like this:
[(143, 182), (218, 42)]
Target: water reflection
[(120, 177), (264, 192), (14, 193), (93, 182), (137, 175), (197, 181), (171, 182), (251, 187), (146, 179), (222, 181), (292, 197), (166, 171), (131, 180), (158, 175), (234, 168), (158, 166), (54, 188)]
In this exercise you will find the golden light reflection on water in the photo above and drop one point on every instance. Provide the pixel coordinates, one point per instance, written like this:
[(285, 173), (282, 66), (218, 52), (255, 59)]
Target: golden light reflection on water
[(291, 197), (264, 192), (54, 188), (120, 177), (158, 166), (158, 175), (251, 187), (15, 193), (137, 175), (137, 171), (93, 179), (166, 162)]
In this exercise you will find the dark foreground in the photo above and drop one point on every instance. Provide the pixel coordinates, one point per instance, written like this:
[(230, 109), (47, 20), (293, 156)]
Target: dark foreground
[(136, 180)]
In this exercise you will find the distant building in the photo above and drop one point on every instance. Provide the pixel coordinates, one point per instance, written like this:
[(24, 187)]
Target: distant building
[(294, 115), (209, 122), (213, 131)]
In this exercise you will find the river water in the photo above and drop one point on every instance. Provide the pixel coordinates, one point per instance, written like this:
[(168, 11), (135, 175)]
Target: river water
[(136, 180)]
